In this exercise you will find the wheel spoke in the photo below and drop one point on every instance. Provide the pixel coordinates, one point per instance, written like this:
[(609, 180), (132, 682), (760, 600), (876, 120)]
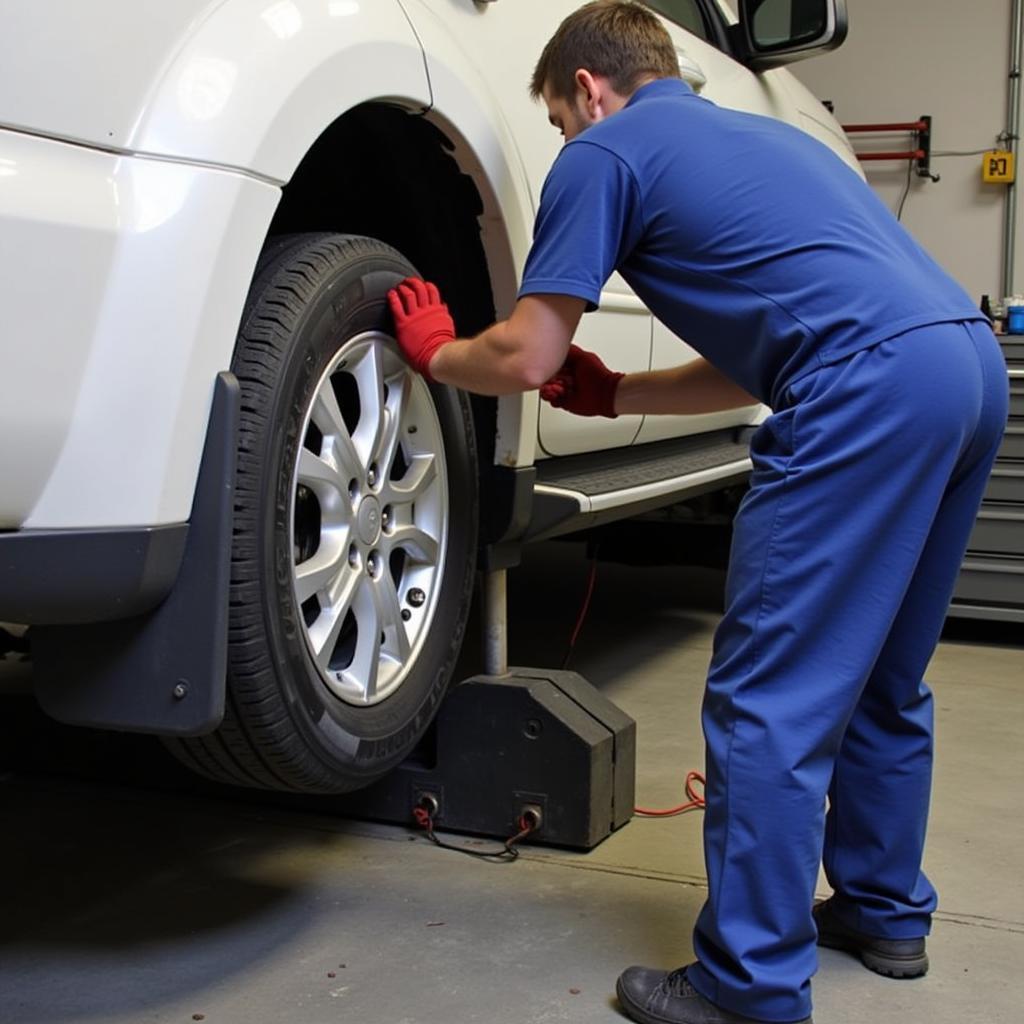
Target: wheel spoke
[(391, 425), (415, 542), (317, 573), (418, 477), (369, 374), (319, 475), (323, 634), (346, 456), (326, 412), (338, 441), (365, 667), (389, 611)]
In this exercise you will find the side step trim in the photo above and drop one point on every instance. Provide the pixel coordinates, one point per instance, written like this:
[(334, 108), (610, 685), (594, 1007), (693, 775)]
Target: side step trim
[(659, 488), (578, 493)]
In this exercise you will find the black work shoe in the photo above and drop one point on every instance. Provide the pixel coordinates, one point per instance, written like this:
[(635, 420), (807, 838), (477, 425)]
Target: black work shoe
[(666, 997), (895, 958)]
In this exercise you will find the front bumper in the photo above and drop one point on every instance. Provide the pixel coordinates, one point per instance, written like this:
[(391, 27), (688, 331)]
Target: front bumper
[(76, 576), (68, 578)]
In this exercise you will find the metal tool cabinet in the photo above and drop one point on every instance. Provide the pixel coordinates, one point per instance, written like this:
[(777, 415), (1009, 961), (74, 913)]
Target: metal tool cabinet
[(991, 583)]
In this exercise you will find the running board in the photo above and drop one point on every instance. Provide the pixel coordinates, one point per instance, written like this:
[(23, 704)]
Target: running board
[(580, 491)]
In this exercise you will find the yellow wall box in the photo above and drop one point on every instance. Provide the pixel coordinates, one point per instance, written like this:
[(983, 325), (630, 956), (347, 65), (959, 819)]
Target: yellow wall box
[(998, 167)]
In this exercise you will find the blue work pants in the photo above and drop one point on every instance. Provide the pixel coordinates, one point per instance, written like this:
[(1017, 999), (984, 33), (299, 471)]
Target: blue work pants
[(846, 550)]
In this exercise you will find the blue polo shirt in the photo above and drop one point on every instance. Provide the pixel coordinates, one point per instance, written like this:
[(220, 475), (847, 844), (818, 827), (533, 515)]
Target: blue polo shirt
[(746, 237)]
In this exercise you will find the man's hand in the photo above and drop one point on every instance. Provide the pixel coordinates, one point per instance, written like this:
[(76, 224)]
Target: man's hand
[(583, 386), (422, 322)]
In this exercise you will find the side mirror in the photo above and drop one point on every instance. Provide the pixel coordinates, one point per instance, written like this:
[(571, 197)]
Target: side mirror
[(771, 33)]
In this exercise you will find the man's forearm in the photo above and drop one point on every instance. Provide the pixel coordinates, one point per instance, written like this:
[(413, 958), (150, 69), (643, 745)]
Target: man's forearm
[(686, 390), (513, 355), (489, 364)]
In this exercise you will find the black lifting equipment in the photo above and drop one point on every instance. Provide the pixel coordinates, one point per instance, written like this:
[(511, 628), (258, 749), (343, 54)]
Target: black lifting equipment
[(536, 746)]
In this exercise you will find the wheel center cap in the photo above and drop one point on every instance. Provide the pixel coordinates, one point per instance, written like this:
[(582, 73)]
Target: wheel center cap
[(368, 521)]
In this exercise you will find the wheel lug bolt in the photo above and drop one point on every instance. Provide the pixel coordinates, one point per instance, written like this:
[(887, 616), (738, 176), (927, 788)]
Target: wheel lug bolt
[(353, 556), (371, 476), (373, 564), (416, 597)]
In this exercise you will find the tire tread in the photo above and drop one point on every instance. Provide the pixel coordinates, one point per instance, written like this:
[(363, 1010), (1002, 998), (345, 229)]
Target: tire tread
[(258, 743)]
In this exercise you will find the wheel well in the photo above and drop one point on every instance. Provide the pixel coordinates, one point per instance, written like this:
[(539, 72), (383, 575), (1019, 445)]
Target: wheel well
[(383, 172)]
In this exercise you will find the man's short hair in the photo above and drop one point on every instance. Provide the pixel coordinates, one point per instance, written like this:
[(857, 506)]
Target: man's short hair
[(622, 41)]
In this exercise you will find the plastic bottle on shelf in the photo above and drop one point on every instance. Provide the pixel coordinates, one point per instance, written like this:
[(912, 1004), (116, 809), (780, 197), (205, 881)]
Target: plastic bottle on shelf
[(1014, 314)]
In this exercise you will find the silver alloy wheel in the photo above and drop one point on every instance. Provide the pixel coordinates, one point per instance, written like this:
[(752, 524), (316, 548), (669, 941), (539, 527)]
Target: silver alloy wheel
[(369, 514)]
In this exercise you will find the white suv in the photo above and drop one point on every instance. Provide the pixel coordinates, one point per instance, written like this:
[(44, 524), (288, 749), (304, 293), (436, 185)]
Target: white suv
[(230, 513)]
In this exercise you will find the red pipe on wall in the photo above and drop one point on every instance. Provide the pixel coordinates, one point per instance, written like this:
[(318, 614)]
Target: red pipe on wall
[(913, 126), (910, 154)]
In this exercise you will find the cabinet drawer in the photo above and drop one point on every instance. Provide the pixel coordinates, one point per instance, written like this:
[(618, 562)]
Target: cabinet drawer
[(1013, 349), (1016, 399), (998, 532), (1006, 484), (1013, 444), (991, 581)]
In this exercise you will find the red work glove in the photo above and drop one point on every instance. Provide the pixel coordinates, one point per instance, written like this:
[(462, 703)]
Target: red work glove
[(422, 322), (584, 385)]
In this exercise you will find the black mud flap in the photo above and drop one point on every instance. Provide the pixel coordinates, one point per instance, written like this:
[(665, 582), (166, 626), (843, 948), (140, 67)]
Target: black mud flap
[(162, 672)]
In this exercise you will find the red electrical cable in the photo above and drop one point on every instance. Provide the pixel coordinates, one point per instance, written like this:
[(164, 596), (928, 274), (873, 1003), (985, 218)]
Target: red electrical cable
[(581, 618), (696, 800), (508, 851)]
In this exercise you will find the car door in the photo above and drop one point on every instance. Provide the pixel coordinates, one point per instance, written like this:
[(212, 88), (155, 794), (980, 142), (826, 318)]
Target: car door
[(502, 42)]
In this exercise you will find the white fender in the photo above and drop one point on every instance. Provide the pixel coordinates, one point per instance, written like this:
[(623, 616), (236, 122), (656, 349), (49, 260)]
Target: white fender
[(192, 114), (486, 149), (245, 84)]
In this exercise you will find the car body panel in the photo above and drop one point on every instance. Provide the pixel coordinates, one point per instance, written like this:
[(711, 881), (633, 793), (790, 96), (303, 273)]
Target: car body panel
[(817, 120), (113, 340), (620, 331), (83, 71), (245, 84), (668, 350), (208, 88)]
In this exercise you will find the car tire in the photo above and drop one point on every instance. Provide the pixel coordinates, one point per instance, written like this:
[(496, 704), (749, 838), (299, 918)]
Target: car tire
[(354, 545)]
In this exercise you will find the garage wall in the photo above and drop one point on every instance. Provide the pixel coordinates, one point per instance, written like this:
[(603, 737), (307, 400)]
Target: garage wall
[(949, 59)]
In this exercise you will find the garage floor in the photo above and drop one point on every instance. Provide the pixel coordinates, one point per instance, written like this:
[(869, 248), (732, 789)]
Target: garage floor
[(124, 906)]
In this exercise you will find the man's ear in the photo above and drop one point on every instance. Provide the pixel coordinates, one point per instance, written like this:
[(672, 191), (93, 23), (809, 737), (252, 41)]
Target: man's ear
[(590, 91)]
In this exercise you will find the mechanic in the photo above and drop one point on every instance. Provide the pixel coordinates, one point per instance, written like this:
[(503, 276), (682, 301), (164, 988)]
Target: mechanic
[(777, 263)]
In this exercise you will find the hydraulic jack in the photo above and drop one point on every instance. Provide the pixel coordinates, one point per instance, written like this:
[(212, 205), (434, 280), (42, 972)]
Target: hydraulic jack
[(536, 744)]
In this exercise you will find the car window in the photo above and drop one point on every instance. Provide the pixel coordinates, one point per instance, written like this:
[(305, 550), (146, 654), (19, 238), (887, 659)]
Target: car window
[(686, 13)]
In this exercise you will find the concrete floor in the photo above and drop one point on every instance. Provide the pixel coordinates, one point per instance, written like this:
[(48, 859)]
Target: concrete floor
[(124, 906)]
